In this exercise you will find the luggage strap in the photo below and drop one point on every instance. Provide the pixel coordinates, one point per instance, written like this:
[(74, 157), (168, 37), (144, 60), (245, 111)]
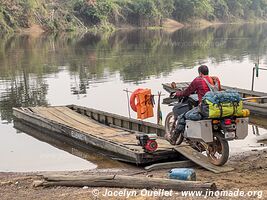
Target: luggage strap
[(221, 110), (213, 88)]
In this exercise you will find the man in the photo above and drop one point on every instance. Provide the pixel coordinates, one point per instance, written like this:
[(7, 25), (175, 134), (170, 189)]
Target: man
[(200, 85)]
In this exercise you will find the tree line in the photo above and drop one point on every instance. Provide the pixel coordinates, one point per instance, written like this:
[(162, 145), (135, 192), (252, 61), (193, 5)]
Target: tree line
[(75, 14), (97, 11)]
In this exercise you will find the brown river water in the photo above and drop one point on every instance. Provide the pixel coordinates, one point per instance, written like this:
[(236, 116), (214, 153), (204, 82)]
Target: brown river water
[(93, 70)]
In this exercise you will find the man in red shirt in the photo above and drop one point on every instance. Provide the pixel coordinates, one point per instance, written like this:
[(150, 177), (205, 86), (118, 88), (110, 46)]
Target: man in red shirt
[(200, 85)]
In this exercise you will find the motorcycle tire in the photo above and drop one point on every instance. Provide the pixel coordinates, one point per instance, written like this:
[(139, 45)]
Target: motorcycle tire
[(223, 147), (170, 125)]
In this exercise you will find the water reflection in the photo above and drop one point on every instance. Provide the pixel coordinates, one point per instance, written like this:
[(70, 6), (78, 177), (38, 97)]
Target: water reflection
[(73, 147), (84, 69), (137, 55), (22, 91)]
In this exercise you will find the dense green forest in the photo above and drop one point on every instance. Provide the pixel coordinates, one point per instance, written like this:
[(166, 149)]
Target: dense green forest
[(74, 14)]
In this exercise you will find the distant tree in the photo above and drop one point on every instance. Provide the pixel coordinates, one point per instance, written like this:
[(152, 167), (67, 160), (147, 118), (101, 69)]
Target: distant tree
[(236, 7), (259, 7), (165, 8), (221, 10), (185, 9)]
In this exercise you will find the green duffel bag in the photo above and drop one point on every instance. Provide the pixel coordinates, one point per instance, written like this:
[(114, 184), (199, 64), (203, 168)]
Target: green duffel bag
[(227, 109)]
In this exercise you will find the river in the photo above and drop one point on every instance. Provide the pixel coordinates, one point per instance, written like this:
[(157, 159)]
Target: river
[(92, 70)]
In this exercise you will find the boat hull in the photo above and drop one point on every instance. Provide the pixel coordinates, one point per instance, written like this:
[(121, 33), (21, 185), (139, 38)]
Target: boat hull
[(117, 135)]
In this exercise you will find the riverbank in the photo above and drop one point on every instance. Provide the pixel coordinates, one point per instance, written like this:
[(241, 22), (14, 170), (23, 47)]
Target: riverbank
[(249, 176), (104, 15)]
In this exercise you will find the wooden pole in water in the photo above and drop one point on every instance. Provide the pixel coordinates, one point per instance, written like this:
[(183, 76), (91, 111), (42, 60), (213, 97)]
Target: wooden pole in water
[(257, 65), (159, 113), (128, 102)]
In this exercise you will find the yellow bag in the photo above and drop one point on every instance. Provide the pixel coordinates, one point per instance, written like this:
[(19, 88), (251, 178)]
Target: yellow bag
[(211, 110)]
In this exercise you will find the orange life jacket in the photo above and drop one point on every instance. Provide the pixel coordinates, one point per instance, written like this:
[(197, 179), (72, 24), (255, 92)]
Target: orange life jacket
[(144, 105)]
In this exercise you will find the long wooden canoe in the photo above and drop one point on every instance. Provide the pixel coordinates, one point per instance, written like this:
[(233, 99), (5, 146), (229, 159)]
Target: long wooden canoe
[(258, 107), (112, 133)]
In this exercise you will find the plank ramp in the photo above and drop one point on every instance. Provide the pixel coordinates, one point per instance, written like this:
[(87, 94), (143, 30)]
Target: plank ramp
[(201, 159)]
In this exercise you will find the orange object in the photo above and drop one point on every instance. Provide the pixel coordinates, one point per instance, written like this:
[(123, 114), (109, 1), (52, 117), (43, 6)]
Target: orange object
[(132, 99), (215, 80), (252, 100), (215, 122), (140, 102), (246, 112)]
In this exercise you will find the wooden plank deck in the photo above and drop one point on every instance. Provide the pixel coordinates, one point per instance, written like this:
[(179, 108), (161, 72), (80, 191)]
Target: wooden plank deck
[(66, 121), (68, 117), (119, 121)]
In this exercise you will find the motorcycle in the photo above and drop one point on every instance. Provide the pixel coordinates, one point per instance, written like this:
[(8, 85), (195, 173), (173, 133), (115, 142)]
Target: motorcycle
[(208, 136)]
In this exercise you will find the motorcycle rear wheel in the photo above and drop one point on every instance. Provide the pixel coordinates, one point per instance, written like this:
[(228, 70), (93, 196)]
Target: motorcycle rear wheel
[(170, 124), (218, 151)]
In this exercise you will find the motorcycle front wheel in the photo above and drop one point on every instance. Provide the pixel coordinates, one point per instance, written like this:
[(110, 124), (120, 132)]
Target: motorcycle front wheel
[(170, 124), (218, 151)]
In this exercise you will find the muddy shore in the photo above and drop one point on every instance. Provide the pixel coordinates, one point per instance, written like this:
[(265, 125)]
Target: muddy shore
[(250, 175)]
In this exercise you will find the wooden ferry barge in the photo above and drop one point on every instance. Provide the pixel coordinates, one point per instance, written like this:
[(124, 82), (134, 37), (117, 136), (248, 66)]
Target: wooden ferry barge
[(105, 131)]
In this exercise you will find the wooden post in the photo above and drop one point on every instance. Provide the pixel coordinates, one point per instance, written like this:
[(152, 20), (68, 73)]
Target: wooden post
[(128, 102), (159, 113)]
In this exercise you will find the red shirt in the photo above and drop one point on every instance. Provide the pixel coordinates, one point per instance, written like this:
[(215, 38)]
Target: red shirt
[(199, 86)]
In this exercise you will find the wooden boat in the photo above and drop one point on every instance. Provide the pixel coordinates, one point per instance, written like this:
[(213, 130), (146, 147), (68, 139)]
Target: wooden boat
[(256, 107), (109, 132), (113, 135), (74, 147)]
